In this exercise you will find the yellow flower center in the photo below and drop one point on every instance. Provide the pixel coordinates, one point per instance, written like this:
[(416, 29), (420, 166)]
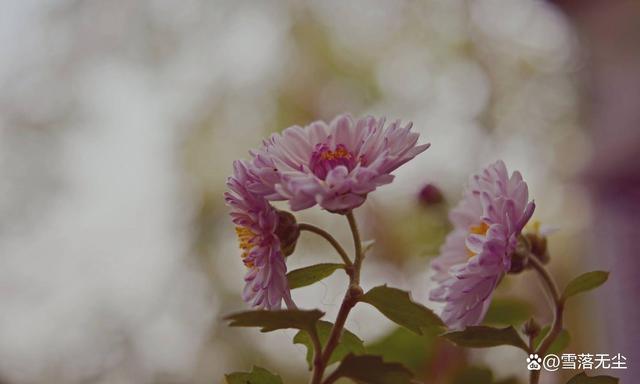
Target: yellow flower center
[(246, 239), (340, 153), (534, 227), (480, 229)]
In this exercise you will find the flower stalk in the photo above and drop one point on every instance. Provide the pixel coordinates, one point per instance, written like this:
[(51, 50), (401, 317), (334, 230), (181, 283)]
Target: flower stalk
[(327, 236), (558, 310), (351, 297), (359, 256)]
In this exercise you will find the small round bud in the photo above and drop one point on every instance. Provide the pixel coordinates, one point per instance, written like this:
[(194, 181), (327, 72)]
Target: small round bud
[(288, 232), (430, 195), (538, 246)]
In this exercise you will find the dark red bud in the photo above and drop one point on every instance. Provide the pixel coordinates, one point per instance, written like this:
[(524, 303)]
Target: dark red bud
[(430, 195)]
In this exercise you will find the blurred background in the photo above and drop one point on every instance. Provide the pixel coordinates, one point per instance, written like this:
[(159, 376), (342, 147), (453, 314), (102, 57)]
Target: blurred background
[(119, 121)]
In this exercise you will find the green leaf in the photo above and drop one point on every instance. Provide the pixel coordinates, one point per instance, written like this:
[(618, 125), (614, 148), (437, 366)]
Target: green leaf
[(483, 337), (403, 346), (585, 282), (349, 343), (508, 311), (372, 369), (308, 275), (559, 344), (582, 378), (398, 307), (256, 376), (272, 320)]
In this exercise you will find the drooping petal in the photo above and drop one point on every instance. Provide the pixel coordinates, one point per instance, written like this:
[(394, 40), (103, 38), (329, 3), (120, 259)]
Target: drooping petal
[(477, 253), (265, 281)]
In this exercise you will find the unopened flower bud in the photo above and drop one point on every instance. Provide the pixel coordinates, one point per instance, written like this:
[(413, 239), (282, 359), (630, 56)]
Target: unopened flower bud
[(288, 232), (538, 246), (430, 195)]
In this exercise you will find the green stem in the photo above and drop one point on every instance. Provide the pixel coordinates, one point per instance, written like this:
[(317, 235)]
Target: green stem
[(546, 278), (350, 299), (327, 236), (357, 247), (317, 345), (558, 301)]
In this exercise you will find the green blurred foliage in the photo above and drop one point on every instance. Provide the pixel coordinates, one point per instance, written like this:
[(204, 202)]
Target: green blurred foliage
[(413, 230), (404, 346), (508, 311)]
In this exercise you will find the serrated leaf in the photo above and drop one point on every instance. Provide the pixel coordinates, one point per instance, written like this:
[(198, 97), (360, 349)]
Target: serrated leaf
[(256, 376), (585, 282), (372, 369), (398, 307), (308, 275), (349, 343), (508, 311), (271, 320), (559, 344), (484, 337), (582, 378)]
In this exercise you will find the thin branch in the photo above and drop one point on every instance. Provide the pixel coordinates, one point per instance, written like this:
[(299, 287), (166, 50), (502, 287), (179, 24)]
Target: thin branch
[(317, 346), (556, 328), (350, 299), (546, 277), (357, 243)]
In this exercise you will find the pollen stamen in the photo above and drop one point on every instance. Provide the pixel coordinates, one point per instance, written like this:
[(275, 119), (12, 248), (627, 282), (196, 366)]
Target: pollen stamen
[(480, 229), (324, 159), (340, 153), (246, 239)]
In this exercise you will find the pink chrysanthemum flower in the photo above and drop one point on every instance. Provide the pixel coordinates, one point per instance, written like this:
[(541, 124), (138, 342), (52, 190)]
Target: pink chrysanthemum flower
[(334, 165), (256, 226), (477, 253)]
